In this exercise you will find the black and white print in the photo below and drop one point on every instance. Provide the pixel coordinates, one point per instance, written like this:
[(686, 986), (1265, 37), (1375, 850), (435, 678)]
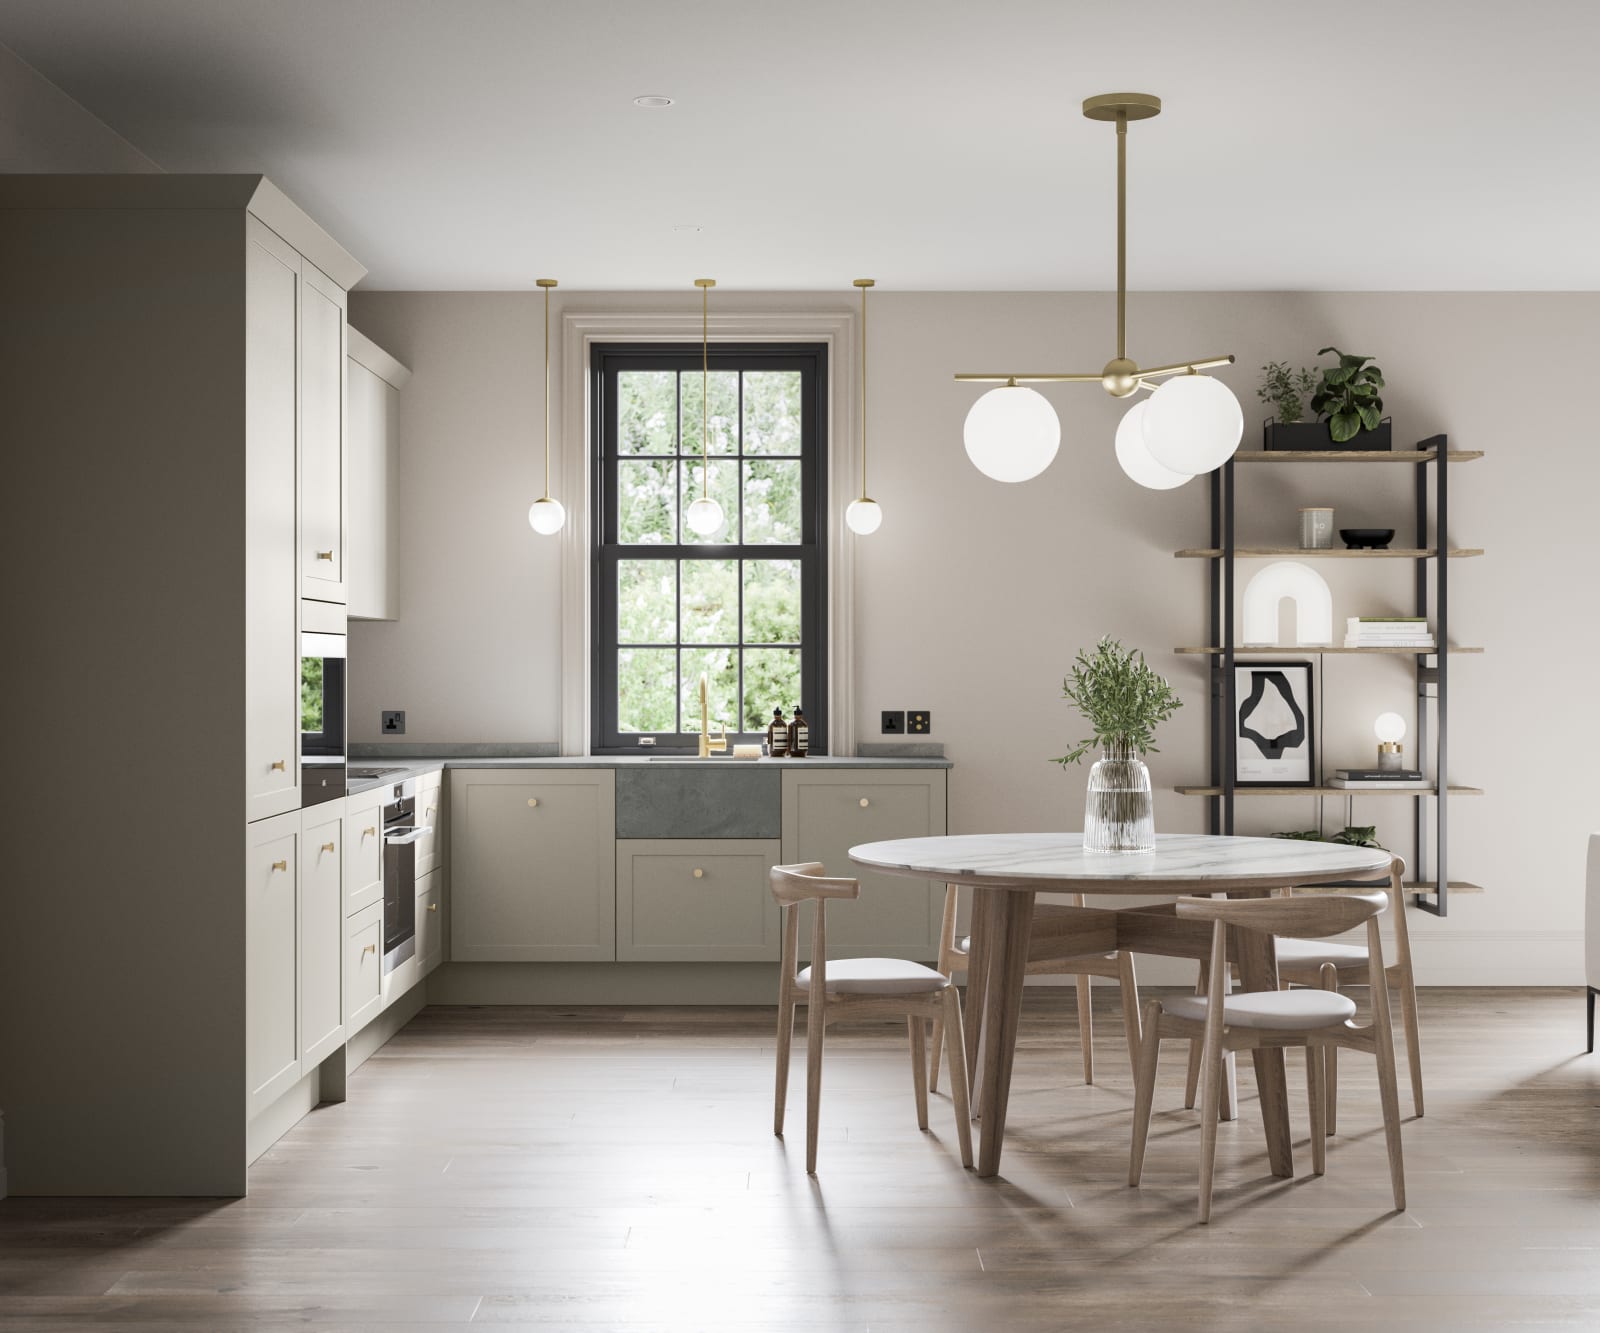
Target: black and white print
[(1274, 733)]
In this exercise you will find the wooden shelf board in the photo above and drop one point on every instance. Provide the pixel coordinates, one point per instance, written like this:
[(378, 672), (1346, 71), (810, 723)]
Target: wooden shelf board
[(1456, 886), (1326, 791), (1312, 650), (1367, 886), (1353, 455), (1274, 552)]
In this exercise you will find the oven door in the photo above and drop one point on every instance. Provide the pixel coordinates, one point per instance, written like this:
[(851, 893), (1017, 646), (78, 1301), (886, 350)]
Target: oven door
[(400, 893)]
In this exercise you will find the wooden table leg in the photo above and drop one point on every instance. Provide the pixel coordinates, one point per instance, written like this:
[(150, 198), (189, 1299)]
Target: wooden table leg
[(982, 925), (1258, 971), (1011, 918)]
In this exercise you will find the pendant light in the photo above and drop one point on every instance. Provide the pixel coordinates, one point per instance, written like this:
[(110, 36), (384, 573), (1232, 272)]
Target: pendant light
[(864, 516), (546, 516), (705, 518), (1189, 424)]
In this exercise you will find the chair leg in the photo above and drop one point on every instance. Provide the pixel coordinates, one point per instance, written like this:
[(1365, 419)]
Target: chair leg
[(1086, 1028), (1128, 983), (955, 1057), (934, 1054), (1389, 1093), (1591, 1020), (1317, 1095), (1212, 1080), (1329, 978), (919, 1066), (1408, 1018), (1144, 1088), (785, 1035), (815, 1023), (1192, 1084)]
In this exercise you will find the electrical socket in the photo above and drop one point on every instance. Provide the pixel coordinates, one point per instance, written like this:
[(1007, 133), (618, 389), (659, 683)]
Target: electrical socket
[(894, 722), (394, 722), (919, 722)]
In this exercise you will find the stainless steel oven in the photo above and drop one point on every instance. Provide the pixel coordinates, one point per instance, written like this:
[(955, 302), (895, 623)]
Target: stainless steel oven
[(401, 833), (322, 717)]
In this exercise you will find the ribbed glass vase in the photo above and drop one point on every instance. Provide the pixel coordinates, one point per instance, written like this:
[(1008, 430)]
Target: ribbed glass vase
[(1119, 813)]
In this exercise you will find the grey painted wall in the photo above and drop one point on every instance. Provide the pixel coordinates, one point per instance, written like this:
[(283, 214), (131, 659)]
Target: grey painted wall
[(42, 129)]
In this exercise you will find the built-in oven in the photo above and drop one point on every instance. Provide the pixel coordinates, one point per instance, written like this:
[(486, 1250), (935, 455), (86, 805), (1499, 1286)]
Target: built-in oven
[(322, 717), (401, 833)]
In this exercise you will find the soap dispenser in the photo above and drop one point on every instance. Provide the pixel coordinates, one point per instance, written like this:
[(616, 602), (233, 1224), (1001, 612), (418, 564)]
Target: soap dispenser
[(799, 735), (777, 735)]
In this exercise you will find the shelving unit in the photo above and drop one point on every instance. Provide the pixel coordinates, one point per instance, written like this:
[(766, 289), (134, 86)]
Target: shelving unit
[(1432, 887)]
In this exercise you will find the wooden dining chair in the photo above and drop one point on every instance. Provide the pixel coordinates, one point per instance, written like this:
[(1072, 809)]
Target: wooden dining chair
[(1316, 1019), (955, 953), (857, 988)]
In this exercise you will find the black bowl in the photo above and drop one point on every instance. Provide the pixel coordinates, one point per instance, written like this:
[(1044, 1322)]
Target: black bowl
[(1366, 539)]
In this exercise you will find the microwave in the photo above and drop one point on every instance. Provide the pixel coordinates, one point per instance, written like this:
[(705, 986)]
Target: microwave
[(322, 717)]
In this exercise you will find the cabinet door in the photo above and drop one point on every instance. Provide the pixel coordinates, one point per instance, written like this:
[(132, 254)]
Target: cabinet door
[(372, 455), (695, 901), (321, 930), (363, 968), (532, 865), (827, 812), (322, 484), (272, 602), (430, 922), (430, 815), (363, 851), (272, 1045)]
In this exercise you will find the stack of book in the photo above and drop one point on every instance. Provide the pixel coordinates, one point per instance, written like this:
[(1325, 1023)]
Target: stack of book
[(1379, 779), (1388, 632)]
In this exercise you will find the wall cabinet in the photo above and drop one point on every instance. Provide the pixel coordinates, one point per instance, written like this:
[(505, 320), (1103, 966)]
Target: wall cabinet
[(533, 865), (363, 968), (373, 380), (322, 468), (321, 933), (272, 1034), (696, 900), (363, 850), (829, 811)]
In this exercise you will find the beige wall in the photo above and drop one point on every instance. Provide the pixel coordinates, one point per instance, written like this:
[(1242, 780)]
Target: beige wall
[(42, 129), (973, 597)]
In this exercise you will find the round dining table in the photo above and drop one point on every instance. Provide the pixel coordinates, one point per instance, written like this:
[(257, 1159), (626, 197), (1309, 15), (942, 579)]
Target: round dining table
[(1007, 870)]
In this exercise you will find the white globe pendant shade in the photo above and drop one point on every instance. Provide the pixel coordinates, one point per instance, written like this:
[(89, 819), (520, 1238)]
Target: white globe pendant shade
[(864, 516), (1192, 424), (1012, 433), (546, 516), (1135, 458), (704, 517)]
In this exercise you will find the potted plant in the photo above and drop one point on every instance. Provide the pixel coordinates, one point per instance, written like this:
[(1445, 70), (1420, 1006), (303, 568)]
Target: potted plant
[(1285, 391), (1123, 700), (1345, 398)]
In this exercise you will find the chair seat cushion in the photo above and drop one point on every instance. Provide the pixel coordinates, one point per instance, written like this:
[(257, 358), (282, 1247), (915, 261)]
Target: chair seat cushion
[(876, 976), (1314, 953), (1277, 1010)]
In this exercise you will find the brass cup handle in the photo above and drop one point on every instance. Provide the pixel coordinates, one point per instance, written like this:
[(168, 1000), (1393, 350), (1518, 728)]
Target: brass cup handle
[(433, 907), (280, 765), (532, 801), (699, 873), (865, 802), (369, 832), (281, 865), (325, 555), (327, 847), (368, 948)]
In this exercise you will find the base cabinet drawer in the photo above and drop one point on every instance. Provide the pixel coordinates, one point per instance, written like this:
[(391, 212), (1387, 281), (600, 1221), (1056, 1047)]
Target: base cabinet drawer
[(363, 851), (363, 968), (696, 901), (430, 922), (826, 813)]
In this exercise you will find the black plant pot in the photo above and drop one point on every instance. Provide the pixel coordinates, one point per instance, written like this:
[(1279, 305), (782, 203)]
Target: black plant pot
[(1313, 437)]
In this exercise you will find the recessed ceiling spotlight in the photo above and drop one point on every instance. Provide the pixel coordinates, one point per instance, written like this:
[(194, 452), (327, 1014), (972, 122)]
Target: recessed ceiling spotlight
[(654, 101), (687, 226)]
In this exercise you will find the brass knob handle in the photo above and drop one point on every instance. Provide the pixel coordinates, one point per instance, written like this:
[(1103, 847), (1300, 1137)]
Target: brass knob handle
[(532, 801), (369, 832), (280, 765), (433, 907), (431, 810), (327, 847), (324, 555), (370, 948), (865, 802), (699, 873), (280, 865)]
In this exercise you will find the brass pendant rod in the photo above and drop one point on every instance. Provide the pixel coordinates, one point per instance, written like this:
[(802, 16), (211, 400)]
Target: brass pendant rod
[(864, 283), (1122, 236), (705, 285), (547, 284)]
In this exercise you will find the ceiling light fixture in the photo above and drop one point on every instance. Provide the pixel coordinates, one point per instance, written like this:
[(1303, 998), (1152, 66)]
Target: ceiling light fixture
[(545, 516), (864, 516), (705, 514), (654, 101), (1187, 426)]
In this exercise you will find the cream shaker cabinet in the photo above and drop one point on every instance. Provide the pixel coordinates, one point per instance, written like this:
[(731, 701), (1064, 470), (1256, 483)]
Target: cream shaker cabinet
[(322, 466), (829, 811), (363, 968), (321, 931), (363, 850), (533, 865), (696, 900), (272, 1033), (372, 453)]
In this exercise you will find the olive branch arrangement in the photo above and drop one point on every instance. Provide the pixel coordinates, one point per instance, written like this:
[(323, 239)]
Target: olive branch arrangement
[(1120, 697)]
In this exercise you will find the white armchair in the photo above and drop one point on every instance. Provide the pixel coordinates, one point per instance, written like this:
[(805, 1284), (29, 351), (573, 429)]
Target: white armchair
[(1591, 931)]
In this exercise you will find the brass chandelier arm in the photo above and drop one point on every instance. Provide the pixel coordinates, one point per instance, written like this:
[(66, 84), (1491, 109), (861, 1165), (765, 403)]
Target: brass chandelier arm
[(1051, 378), (1178, 367)]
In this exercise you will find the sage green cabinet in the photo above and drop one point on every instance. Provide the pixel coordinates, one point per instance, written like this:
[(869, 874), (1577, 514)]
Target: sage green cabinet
[(696, 900)]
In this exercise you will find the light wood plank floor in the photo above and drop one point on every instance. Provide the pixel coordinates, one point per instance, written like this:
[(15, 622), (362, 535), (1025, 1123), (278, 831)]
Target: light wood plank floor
[(614, 1168)]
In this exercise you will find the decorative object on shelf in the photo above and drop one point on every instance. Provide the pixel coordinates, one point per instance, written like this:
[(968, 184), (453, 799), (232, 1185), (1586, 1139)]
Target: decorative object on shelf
[(1388, 632), (1313, 605), (704, 517), (1285, 390), (1347, 399), (778, 735), (545, 515), (1190, 424), (864, 516), (1123, 700), (1366, 539), (1316, 528), (799, 735), (1273, 726), (1390, 729), (1351, 835)]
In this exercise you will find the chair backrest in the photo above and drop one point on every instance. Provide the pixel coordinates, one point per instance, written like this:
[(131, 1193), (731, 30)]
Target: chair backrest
[(1591, 915), (803, 881), (800, 883), (1307, 917)]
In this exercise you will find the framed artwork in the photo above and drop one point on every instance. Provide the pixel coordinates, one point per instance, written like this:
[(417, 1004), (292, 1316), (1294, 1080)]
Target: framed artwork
[(1274, 734)]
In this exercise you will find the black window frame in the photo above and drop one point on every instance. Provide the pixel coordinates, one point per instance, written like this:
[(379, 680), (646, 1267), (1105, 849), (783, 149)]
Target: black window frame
[(607, 359)]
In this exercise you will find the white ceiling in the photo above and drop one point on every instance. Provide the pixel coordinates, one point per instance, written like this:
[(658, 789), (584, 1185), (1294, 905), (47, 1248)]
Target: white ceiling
[(933, 144)]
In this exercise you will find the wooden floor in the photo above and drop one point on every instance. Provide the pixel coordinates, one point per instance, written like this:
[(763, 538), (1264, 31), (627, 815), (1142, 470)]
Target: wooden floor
[(615, 1169)]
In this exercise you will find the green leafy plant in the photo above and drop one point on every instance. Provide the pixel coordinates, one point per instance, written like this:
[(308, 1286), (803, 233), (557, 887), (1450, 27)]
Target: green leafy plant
[(1284, 389), (1120, 697), (1352, 835), (1347, 396)]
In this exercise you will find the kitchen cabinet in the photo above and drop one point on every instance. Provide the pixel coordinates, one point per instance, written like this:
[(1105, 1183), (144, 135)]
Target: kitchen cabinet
[(363, 968), (430, 815), (272, 1034), (363, 850), (828, 811), (322, 467), (321, 931), (373, 380), (430, 922), (533, 865), (704, 900)]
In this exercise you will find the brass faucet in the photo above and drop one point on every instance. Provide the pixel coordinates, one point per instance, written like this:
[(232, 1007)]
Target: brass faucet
[(707, 745)]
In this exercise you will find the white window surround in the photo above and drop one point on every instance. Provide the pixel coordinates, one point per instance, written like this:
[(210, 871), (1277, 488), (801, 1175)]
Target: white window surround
[(572, 482)]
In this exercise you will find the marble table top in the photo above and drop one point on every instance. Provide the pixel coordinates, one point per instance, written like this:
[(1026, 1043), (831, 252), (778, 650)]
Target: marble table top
[(1193, 861)]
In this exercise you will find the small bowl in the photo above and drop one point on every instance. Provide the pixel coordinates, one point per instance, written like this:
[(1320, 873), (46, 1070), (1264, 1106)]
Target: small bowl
[(1366, 539)]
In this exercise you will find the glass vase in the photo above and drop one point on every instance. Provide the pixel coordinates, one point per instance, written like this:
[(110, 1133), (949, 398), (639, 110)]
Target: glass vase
[(1119, 812)]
